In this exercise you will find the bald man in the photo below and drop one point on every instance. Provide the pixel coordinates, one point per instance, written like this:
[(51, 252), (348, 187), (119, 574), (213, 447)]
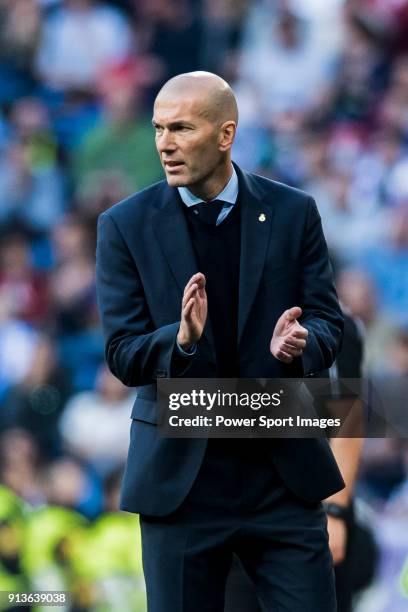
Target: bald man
[(215, 272)]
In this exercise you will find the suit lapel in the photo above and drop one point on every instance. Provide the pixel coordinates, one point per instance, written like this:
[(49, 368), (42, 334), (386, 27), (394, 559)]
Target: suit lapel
[(170, 228), (256, 223)]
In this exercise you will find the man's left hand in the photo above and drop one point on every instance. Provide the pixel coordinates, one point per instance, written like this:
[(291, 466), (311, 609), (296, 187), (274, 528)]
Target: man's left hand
[(289, 337), (337, 530)]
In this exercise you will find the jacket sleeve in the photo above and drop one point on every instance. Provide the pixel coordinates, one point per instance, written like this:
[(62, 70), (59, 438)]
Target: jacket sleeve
[(136, 352), (322, 314)]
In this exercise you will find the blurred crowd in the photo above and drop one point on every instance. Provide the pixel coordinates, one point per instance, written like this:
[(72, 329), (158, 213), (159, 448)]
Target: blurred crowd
[(322, 87), (55, 548)]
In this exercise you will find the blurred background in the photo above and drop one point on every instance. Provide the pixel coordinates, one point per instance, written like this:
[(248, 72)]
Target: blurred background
[(322, 87)]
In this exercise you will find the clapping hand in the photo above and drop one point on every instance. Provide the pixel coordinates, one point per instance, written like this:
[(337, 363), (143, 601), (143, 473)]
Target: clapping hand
[(289, 337), (193, 311)]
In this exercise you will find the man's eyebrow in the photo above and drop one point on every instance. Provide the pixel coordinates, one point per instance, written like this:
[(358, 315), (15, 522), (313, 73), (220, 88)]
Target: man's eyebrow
[(173, 124)]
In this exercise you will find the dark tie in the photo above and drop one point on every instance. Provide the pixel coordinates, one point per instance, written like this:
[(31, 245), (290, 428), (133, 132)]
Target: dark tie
[(208, 211)]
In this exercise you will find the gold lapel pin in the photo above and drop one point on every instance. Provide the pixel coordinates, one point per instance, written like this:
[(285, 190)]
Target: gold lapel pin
[(262, 218)]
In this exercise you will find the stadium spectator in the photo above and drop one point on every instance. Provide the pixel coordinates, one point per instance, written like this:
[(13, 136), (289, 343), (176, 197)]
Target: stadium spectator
[(296, 72), (17, 344), (36, 403), (64, 60), (68, 483), (357, 292), (31, 185), (387, 265), (27, 289), (109, 406), (20, 465), (20, 30), (122, 141)]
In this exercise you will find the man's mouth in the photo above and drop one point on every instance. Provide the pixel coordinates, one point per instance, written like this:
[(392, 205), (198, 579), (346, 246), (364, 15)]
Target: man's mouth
[(173, 165)]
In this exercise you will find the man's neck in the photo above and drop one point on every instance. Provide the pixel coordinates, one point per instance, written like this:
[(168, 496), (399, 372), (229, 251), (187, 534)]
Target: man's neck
[(213, 186)]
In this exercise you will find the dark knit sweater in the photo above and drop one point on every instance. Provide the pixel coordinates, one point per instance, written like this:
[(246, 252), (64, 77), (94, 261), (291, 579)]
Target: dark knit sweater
[(217, 249)]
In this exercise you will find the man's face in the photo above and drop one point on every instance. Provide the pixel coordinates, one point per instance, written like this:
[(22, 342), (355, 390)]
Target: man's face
[(187, 141)]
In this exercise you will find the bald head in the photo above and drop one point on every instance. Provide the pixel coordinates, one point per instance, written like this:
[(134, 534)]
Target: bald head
[(214, 97), (195, 119)]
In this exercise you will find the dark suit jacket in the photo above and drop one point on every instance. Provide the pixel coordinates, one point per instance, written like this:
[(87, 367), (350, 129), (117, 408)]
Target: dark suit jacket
[(145, 259)]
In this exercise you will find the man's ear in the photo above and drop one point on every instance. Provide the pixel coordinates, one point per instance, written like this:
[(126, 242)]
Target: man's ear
[(227, 135)]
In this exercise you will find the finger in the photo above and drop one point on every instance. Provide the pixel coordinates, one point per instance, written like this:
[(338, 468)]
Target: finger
[(193, 281), (290, 348), (196, 278), (293, 313), (284, 356), (293, 351), (190, 282), (295, 343), (186, 312), (201, 291), (288, 344), (300, 332), (188, 297), (189, 294), (201, 280)]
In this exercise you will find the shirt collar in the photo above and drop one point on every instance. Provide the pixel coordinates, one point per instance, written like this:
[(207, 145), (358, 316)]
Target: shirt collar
[(228, 194)]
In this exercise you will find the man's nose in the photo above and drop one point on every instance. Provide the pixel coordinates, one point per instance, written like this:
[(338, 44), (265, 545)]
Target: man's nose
[(166, 142)]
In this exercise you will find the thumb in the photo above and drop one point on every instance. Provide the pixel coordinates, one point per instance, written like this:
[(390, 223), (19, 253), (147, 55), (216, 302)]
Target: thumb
[(293, 313)]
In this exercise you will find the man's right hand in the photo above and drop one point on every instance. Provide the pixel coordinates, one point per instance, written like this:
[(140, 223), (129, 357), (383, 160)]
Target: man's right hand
[(193, 312)]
